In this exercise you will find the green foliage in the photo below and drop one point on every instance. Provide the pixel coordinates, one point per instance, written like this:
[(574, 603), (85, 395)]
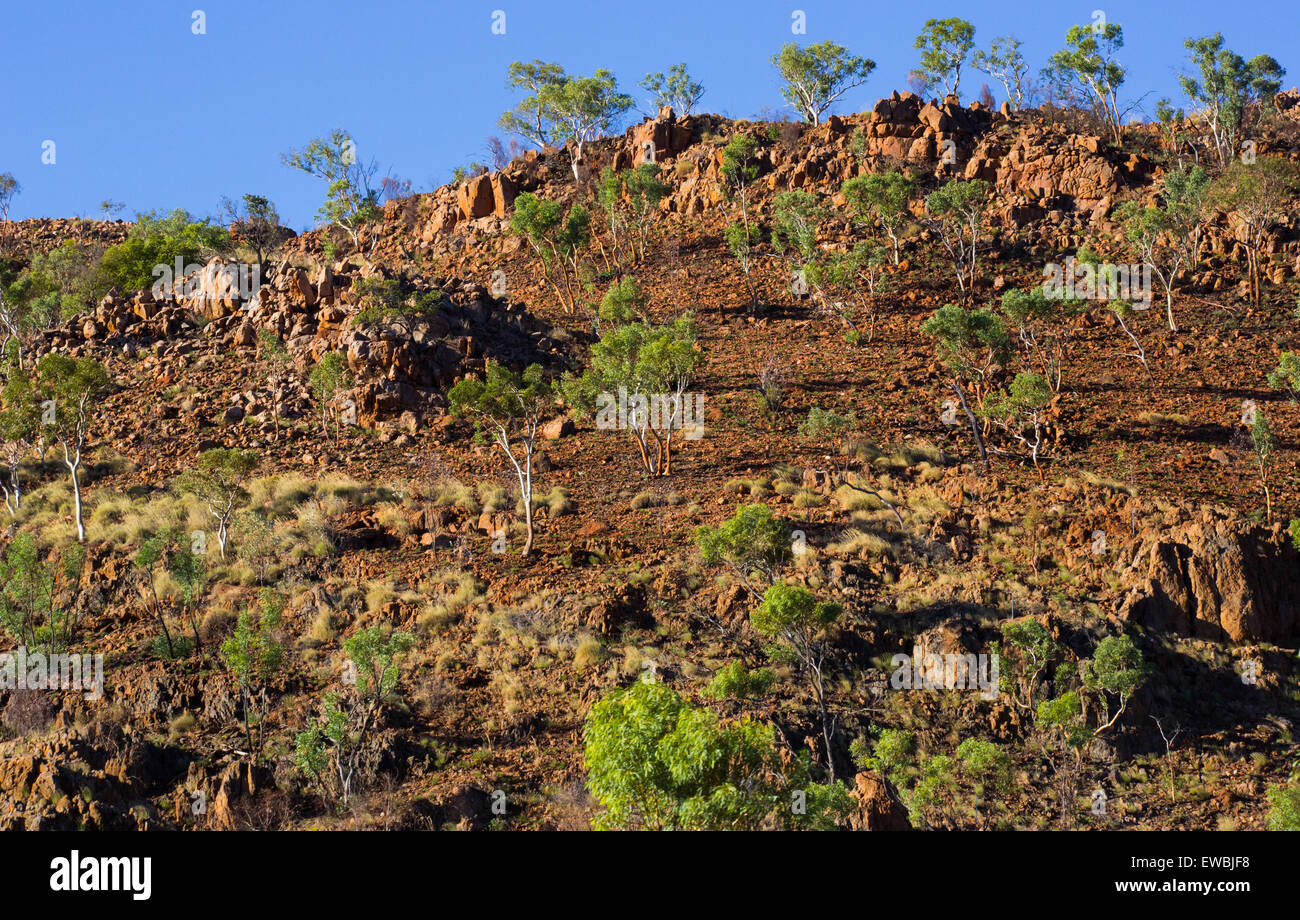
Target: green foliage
[(735, 681), (817, 76), (1116, 667), (648, 361), (792, 613), (1065, 713), (556, 237), (935, 788), (329, 752), (1284, 807), (531, 118), (1087, 67), (1263, 439), (754, 540), (1028, 393), (1005, 63), (881, 199), (255, 222), (822, 422), (944, 45), (1027, 650), (388, 299), (676, 89), (563, 108), (969, 341), (255, 656), (623, 303), (656, 762), (158, 241), (631, 198), (510, 405), (34, 605), (1228, 89), (1286, 376), (987, 762), (325, 380), (377, 654), (956, 212), (218, 480), (796, 216), (739, 161), (504, 399), (351, 201), (893, 753)]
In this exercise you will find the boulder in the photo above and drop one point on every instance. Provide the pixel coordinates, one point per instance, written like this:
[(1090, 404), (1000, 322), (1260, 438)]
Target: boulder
[(1216, 577)]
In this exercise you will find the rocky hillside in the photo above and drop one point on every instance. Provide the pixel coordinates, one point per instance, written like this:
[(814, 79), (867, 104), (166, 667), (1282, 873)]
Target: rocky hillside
[(372, 505)]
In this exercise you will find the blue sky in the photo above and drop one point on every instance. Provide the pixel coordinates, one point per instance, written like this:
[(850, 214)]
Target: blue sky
[(145, 112)]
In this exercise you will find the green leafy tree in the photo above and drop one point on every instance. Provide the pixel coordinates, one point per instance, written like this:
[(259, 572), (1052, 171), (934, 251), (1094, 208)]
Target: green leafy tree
[(351, 200), (331, 752), (254, 657), (1228, 90), (1259, 194), (149, 560), (956, 212), (739, 170), (394, 300), (1026, 652), (945, 44), (155, 243), (531, 119), (1264, 441), (582, 109), (754, 544), (218, 481), (623, 303), (1286, 376), (1021, 408), (1037, 321), (656, 762), (9, 189), (509, 406), (255, 221), (72, 387), (1088, 66), (20, 432), (276, 361), (631, 199), (675, 89), (971, 343), (881, 200), (637, 379), (326, 379), (1167, 235), (817, 76), (988, 763), (796, 620), (557, 238), (857, 272), (735, 681), (1004, 62), (38, 599)]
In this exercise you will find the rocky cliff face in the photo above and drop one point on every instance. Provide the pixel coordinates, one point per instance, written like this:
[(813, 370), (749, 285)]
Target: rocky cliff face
[(1217, 577)]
